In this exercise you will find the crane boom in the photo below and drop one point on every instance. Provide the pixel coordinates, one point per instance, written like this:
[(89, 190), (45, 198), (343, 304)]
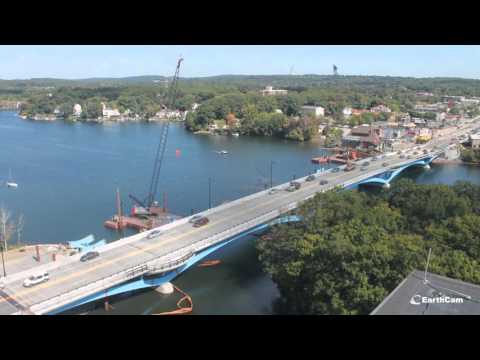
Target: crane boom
[(171, 97)]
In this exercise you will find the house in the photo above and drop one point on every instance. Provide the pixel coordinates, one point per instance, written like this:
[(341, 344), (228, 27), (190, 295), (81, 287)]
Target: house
[(315, 111), (108, 113), (424, 135), (364, 137), (195, 106), (358, 112), (77, 110), (380, 109), (475, 141), (347, 112), (270, 91), (278, 111)]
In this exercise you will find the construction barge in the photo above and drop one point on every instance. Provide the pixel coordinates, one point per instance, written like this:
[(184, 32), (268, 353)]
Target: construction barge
[(140, 220), (342, 157)]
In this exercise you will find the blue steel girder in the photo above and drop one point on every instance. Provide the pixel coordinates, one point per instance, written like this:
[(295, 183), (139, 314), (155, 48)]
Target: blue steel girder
[(387, 176), (155, 281)]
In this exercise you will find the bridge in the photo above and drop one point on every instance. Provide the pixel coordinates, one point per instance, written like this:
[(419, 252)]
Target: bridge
[(136, 262)]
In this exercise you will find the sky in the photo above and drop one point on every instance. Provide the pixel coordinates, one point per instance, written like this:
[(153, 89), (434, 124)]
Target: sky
[(76, 62)]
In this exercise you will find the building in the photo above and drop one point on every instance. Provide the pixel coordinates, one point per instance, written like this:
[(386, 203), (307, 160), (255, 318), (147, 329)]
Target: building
[(423, 93), (278, 111), (424, 135), (359, 111), (364, 137), (432, 294), (380, 109), (108, 113), (270, 91), (77, 110), (195, 106), (475, 141), (316, 111), (347, 112)]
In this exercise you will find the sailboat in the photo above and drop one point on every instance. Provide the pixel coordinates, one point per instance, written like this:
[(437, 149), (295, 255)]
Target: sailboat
[(10, 182)]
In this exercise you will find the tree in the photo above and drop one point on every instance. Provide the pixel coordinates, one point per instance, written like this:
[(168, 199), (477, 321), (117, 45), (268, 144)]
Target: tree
[(7, 228), (20, 225)]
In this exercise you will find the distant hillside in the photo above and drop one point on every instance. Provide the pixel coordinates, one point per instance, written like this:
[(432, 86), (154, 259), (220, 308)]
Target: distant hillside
[(295, 82)]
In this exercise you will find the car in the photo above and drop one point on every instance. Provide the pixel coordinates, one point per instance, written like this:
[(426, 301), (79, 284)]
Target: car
[(374, 158), (154, 234), (310, 178), (385, 164), (415, 153), (273, 191), (296, 184), (335, 170), (323, 182), (89, 256), (195, 218), (402, 156), (36, 279), (425, 151), (363, 168), (201, 222), (399, 152), (409, 156), (366, 163)]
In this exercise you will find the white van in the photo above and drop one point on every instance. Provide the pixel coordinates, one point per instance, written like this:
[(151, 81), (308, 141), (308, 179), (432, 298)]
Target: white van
[(36, 279)]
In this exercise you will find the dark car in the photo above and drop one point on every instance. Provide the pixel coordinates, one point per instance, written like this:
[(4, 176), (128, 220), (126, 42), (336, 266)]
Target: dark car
[(194, 218), (89, 256), (323, 182), (385, 164), (366, 163), (295, 184), (363, 168), (425, 151), (201, 222), (335, 170), (415, 153), (310, 178), (402, 156)]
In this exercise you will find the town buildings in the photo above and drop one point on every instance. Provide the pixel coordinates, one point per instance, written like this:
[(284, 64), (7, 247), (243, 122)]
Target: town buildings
[(315, 111), (270, 91), (77, 110), (108, 113)]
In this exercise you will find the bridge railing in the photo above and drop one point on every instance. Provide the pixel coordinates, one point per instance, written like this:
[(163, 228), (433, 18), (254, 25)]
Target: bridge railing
[(105, 283)]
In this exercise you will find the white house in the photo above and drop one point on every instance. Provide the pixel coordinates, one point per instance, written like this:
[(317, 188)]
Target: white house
[(77, 110), (195, 106), (107, 113), (347, 112), (313, 110), (270, 91)]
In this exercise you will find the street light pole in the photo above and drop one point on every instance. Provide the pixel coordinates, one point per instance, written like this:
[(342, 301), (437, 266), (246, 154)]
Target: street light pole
[(271, 173), (3, 263), (209, 193)]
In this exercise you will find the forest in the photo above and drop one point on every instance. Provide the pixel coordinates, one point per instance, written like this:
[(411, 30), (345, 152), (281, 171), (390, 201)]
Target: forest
[(352, 248)]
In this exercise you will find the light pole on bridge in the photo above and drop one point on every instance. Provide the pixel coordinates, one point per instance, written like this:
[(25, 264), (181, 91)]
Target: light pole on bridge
[(3, 262)]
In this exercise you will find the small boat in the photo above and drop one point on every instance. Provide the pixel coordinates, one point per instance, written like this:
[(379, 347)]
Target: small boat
[(222, 152), (235, 134), (10, 183)]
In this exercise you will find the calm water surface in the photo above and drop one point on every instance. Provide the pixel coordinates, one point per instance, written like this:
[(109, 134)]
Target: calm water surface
[(68, 173)]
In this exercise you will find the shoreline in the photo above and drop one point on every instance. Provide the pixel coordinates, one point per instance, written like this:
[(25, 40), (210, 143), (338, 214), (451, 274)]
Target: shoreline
[(454, 162)]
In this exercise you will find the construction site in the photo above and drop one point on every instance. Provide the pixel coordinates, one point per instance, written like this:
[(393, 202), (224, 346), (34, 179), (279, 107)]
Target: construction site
[(147, 213)]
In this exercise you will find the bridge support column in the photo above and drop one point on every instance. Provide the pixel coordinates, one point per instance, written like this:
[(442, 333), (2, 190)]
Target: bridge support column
[(386, 186), (165, 289)]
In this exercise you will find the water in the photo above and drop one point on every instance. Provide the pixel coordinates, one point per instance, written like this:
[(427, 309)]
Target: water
[(68, 173)]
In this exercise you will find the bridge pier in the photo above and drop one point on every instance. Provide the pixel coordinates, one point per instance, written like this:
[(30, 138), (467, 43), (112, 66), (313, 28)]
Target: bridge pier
[(386, 186), (427, 167), (165, 288)]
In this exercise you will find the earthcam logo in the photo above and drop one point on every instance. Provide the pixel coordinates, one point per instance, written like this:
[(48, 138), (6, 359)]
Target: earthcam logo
[(418, 300)]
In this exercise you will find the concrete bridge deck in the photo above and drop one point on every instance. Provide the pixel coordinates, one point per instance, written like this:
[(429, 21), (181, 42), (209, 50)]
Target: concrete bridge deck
[(130, 257)]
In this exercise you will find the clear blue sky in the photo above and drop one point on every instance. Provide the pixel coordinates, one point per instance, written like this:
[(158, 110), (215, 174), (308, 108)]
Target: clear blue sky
[(73, 62)]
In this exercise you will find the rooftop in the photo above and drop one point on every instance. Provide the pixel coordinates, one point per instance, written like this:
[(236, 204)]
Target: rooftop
[(439, 296)]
